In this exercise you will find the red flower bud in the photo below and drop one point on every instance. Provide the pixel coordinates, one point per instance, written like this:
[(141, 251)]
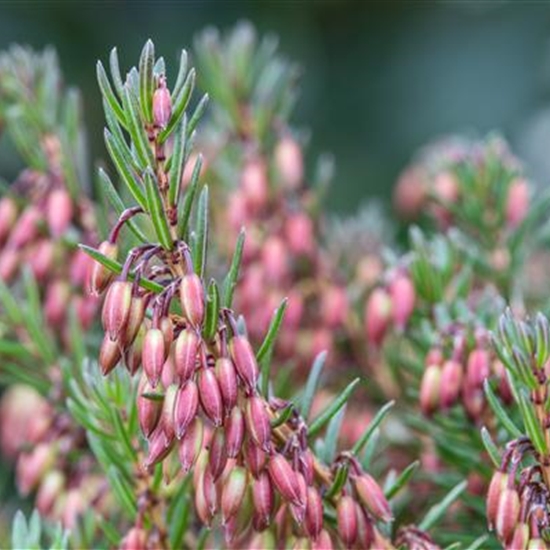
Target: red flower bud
[(499, 481), (234, 426), (191, 444), (347, 520), (167, 328), (99, 276), (334, 306), (133, 322), (227, 379), (507, 514), (520, 539), (245, 361), (132, 354), (210, 395), (263, 498), (162, 105), (403, 295), (59, 211), (372, 496), (187, 404), (185, 354), (258, 423), (159, 447), (430, 389), (284, 479), (109, 355), (192, 299), (298, 511), (256, 458), (168, 411), (378, 311), (365, 530), (153, 355), (323, 541), (451, 382), (26, 228), (478, 368), (148, 409), (116, 308), (233, 492), (314, 513), (300, 236), (217, 455)]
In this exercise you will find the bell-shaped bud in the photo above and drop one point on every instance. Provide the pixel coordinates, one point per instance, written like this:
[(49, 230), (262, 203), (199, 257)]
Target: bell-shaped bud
[(289, 162), (32, 466), (284, 479), (254, 185), (185, 354), (192, 299), (132, 354), (162, 105), (109, 355), (306, 463), (499, 481), (25, 229), (149, 408), (169, 410), (365, 529), (301, 239), (8, 216), (234, 428), (153, 355), (258, 423), (517, 202), (507, 514), (227, 379), (275, 260), (41, 259), (478, 368), (334, 306), (135, 539), (210, 395), (451, 382), (314, 513), (99, 276), (49, 491), (323, 541), (116, 308), (378, 311), (57, 296), (430, 389), (256, 458), (372, 496), (298, 510), (203, 498), (133, 322), (245, 361), (191, 445), (167, 328), (263, 498), (346, 515), (403, 296), (233, 492), (187, 404), (217, 455), (520, 538), (159, 447), (59, 211), (9, 263)]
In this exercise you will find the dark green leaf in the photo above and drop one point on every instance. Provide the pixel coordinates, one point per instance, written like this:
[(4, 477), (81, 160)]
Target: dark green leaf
[(178, 163), (212, 311), (156, 210), (402, 480), (146, 84), (201, 232), (373, 424), (230, 280), (109, 96), (311, 384), (436, 512)]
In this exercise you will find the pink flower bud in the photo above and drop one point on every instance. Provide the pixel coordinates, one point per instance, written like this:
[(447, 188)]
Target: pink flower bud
[(162, 105), (59, 211), (499, 481), (187, 404), (446, 191), (275, 260), (323, 541), (520, 539), (298, 511), (132, 355), (26, 227), (245, 361), (517, 202), (8, 216), (507, 514), (134, 321), (473, 400), (73, 508), (254, 185), (300, 234), (148, 409), (109, 355), (203, 498), (430, 389), (41, 258), (263, 498), (32, 466), (217, 455), (192, 299), (185, 354), (159, 447), (233, 492), (116, 308), (153, 355), (168, 376), (334, 306), (451, 382), (256, 458), (307, 465), (9, 263), (227, 379), (378, 311), (258, 423), (403, 295), (49, 491), (347, 520), (372, 496), (210, 395), (99, 276), (478, 368), (289, 162), (365, 530), (135, 539), (167, 328), (168, 411), (284, 479), (191, 445), (314, 513), (55, 303), (410, 194), (234, 426)]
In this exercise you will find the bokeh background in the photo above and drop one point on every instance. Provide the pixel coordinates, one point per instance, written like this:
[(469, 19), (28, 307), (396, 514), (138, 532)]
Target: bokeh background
[(380, 79)]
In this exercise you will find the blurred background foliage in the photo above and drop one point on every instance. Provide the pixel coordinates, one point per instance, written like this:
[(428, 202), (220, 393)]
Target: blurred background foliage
[(380, 78)]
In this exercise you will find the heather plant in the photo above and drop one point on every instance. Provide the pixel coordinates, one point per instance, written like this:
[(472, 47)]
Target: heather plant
[(198, 411)]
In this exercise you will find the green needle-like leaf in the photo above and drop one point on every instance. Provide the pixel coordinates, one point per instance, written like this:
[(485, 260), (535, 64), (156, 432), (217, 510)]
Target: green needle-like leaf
[(312, 383), (156, 210), (177, 162), (401, 480), (146, 84), (230, 281), (212, 311), (201, 232), (109, 96), (373, 424), (436, 512)]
